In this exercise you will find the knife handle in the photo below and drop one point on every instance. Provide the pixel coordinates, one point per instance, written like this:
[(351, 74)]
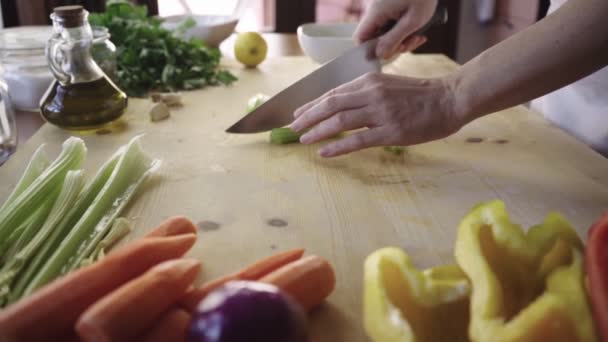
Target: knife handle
[(439, 17)]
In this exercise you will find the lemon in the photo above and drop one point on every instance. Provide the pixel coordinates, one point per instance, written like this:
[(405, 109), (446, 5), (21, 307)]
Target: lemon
[(250, 48)]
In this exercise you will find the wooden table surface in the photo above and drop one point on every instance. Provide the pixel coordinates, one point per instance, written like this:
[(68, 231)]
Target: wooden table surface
[(235, 186)]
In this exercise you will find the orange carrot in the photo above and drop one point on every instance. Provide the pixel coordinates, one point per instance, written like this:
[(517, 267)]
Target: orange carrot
[(254, 271), (172, 326), (308, 280), (126, 312), (176, 225), (51, 312), (265, 266)]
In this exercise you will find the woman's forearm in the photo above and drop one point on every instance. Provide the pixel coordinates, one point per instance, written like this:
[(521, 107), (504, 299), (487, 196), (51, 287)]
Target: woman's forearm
[(564, 47)]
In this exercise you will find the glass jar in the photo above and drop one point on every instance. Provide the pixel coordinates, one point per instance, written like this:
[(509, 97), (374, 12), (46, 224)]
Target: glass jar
[(8, 129), (104, 52), (24, 66), (82, 97)]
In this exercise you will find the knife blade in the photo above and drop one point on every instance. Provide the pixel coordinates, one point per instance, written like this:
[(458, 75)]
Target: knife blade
[(278, 110)]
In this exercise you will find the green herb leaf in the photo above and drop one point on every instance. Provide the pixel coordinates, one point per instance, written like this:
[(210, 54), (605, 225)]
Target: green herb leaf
[(151, 58)]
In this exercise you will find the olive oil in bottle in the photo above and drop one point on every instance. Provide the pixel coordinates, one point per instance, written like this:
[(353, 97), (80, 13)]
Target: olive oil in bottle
[(82, 97)]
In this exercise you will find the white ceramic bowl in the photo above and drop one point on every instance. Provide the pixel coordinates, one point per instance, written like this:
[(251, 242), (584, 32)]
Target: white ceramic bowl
[(324, 42), (212, 29)]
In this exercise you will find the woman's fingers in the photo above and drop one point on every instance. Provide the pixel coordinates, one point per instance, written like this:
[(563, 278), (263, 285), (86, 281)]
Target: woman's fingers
[(327, 107), (372, 20), (340, 122), (419, 41), (360, 140), (348, 87), (412, 44), (396, 110), (389, 42)]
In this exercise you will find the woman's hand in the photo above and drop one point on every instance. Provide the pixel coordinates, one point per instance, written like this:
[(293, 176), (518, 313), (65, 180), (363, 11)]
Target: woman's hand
[(396, 110), (408, 16)]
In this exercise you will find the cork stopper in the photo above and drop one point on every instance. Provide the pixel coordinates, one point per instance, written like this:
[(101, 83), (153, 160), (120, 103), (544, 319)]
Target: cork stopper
[(70, 16)]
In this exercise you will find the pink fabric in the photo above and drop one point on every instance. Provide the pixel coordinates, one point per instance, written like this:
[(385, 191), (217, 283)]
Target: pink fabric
[(329, 11)]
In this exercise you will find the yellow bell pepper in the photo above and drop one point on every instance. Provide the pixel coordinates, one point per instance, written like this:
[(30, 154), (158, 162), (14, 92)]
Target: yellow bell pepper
[(402, 303), (525, 286)]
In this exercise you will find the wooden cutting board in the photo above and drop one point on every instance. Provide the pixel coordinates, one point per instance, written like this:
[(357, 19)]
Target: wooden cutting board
[(252, 199)]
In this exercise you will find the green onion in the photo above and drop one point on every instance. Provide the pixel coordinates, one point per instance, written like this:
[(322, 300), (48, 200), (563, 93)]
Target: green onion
[(22, 206), (132, 168), (67, 196), (284, 135)]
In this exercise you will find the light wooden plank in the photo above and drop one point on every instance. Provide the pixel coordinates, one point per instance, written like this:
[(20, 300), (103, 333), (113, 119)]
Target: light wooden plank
[(341, 208)]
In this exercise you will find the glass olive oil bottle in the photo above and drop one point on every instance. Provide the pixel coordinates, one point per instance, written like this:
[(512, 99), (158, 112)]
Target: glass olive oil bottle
[(82, 97)]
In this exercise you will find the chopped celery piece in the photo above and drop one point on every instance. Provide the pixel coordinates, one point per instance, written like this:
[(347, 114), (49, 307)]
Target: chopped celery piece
[(65, 200), (120, 228), (133, 167), (82, 204), (284, 135), (34, 168), (256, 101), (17, 211), (396, 150)]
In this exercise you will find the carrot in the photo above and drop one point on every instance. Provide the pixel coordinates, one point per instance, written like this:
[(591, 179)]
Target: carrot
[(265, 266), (254, 271), (126, 312), (176, 225), (51, 311), (308, 280), (172, 326)]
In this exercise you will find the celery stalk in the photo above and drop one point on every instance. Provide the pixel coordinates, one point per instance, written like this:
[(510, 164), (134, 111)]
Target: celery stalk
[(133, 167), (396, 150), (65, 200), (5, 245), (31, 227), (120, 228), (141, 168), (70, 158), (34, 168), (284, 135), (82, 204)]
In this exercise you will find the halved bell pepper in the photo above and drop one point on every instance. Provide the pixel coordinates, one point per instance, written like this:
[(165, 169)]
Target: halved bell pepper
[(525, 286), (596, 264), (402, 303)]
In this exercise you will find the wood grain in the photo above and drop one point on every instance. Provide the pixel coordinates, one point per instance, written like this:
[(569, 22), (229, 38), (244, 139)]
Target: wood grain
[(343, 208)]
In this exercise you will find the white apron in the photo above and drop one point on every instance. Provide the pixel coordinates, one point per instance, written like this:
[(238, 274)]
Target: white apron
[(580, 108)]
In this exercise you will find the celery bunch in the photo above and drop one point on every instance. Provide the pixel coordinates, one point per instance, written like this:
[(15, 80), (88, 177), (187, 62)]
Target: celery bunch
[(51, 224)]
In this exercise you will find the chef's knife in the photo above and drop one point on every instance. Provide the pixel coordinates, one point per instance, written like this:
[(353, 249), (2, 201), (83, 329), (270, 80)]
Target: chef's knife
[(278, 110)]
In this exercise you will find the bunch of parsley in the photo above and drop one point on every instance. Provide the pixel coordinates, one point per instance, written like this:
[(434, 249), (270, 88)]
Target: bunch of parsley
[(151, 58)]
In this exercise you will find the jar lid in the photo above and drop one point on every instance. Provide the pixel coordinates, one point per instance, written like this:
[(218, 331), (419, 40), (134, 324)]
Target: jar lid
[(25, 37), (70, 16)]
